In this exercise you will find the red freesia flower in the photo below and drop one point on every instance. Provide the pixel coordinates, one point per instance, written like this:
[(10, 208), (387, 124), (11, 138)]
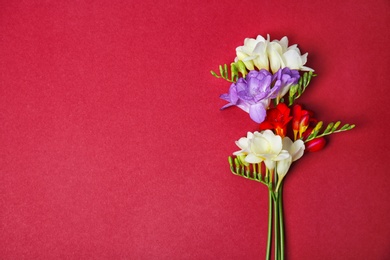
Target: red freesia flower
[(277, 118), (301, 120)]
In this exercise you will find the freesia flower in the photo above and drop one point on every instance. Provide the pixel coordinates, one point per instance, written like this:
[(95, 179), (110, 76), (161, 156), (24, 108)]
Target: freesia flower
[(244, 143), (300, 121), (282, 167), (277, 118), (253, 93), (264, 146), (295, 151), (288, 78), (303, 122), (264, 54), (274, 69)]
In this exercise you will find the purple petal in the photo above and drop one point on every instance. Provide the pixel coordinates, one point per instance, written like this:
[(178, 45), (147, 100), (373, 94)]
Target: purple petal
[(225, 97), (227, 105), (252, 74), (243, 105), (265, 84), (257, 112), (233, 94), (276, 88)]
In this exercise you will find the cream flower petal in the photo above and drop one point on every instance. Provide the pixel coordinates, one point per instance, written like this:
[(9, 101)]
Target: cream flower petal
[(244, 143), (282, 156), (249, 65), (295, 48), (261, 58), (284, 43), (260, 38), (292, 59), (295, 149), (250, 44), (304, 58), (274, 140), (260, 48), (283, 166), (241, 55), (249, 135), (260, 145), (272, 56), (270, 164), (251, 158)]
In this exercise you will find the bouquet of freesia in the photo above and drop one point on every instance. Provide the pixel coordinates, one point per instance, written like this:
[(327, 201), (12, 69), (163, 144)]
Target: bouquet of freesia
[(267, 77)]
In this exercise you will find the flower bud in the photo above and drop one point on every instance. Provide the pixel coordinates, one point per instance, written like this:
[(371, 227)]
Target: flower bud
[(296, 116), (315, 144), (304, 123), (283, 166), (296, 119)]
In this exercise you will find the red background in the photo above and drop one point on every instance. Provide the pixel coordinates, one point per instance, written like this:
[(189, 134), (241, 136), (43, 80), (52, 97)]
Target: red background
[(113, 146)]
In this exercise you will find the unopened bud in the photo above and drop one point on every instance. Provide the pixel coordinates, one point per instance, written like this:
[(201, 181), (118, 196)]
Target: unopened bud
[(315, 144)]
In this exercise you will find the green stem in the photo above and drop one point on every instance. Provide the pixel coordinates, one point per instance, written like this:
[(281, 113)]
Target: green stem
[(270, 201), (276, 223), (281, 224)]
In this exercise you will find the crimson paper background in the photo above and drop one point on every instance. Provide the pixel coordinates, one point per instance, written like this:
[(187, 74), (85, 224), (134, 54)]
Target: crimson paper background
[(113, 145)]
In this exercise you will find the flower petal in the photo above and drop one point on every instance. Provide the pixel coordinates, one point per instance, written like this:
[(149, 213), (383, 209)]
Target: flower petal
[(251, 158), (292, 59), (297, 150), (270, 164), (283, 166), (257, 112), (274, 140)]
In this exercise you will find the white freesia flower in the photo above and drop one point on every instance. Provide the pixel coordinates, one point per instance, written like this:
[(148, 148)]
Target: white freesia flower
[(253, 53), (295, 150), (243, 143), (264, 146), (272, 56)]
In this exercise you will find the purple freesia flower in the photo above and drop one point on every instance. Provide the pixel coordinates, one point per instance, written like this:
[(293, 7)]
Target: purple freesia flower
[(288, 78), (253, 93)]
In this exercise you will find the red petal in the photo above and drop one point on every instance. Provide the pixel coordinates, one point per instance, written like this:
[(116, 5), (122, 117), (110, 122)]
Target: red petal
[(266, 125), (283, 108)]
